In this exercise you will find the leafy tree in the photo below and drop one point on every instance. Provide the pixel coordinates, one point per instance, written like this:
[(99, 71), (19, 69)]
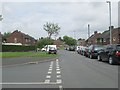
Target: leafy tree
[(60, 39), (69, 40), (52, 29), (5, 36), (44, 41)]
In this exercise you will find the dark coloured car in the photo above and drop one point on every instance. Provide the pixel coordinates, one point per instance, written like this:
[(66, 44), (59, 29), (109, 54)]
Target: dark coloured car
[(86, 52), (110, 53), (93, 50), (52, 50), (72, 48)]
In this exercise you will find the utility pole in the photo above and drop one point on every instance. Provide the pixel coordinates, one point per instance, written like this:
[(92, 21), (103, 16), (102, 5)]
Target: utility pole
[(1, 18), (88, 30), (74, 34), (110, 21)]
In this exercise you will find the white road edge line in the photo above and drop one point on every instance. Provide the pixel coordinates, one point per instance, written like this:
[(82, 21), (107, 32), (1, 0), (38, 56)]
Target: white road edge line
[(27, 83), (60, 87)]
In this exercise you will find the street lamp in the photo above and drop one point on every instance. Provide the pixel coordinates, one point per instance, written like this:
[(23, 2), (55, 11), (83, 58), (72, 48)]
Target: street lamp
[(1, 18), (110, 20), (88, 30)]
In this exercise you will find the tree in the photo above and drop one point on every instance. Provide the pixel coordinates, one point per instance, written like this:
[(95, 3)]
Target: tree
[(5, 36), (52, 29), (44, 41), (69, 40)]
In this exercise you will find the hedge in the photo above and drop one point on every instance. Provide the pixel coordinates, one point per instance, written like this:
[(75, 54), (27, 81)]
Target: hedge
[(17, 48)]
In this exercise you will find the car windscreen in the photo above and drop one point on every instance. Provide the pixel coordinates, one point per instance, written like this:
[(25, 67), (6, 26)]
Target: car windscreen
[(98, 48), (52, 48), (118, 47)]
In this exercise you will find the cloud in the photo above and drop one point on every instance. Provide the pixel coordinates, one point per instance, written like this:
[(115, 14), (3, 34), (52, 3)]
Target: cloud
[(30, 17)]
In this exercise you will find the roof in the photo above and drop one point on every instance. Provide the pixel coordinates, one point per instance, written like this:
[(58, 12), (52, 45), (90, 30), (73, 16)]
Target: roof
[(24, 35)]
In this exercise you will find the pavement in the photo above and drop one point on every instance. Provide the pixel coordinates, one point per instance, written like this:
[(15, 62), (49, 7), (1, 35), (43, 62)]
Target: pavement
[(23, 60), (70, 70)]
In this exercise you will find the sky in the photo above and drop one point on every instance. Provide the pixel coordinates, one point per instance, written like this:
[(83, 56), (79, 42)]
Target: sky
[(72, 17)]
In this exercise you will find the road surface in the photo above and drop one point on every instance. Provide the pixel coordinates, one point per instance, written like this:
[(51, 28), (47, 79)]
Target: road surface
[(70, 70)]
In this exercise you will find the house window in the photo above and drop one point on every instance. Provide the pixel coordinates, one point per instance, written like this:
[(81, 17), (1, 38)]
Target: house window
[(104, 40), (26, 40), (15, 40), (29, 40), (119, 38)]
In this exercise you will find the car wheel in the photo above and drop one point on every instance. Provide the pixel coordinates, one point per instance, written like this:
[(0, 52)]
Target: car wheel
[(111, 62), (98, 58), (90, 56)]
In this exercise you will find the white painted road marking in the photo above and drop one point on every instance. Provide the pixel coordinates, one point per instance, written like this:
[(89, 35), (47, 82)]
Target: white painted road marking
[(27, 83), (60, 87), (57, 69), (50, 69), (58, 72), (49, 72), (47, 81), (48, 76), (59, 81), (58, 76)]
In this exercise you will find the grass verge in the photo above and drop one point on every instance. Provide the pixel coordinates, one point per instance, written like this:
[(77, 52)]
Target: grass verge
[(21, 54)]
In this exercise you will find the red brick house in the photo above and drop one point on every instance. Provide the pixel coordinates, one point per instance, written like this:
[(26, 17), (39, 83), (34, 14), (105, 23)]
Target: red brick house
[(19, 37), (104, 38), (93, 39), (81, 42), (58, 43)]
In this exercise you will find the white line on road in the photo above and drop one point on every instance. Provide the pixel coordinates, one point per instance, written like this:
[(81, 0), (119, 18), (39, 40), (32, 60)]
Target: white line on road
[(57, 69), (58, 81), (57, 60), (58, 76), (49, 72), (47, 81), (58, 72), (27, 83), (50, 69), (60, 87), (48, 76)]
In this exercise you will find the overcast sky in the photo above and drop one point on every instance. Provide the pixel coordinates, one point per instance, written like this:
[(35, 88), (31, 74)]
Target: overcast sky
[(29, 17)]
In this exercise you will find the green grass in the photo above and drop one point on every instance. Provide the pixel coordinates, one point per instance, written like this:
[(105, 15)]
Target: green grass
[(43, 54), (20, 54)]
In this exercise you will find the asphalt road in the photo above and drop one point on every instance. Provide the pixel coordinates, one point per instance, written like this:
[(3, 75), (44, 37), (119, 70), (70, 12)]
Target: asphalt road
[(70, 70)]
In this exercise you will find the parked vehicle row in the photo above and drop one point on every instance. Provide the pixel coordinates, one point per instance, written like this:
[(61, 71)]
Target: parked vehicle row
[(109, 53), (70, 48)]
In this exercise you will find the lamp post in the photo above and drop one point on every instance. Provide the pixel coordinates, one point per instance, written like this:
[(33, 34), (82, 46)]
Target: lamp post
[(1, 18), (88, 30), (110, 20)]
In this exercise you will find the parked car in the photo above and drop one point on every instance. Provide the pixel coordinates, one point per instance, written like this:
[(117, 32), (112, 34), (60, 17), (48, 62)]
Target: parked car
[(83, 50), (77, 48), (86, 52), (72, 48), (93, 50), (110, 53), (52, 50), (43, 49), (80, 50)]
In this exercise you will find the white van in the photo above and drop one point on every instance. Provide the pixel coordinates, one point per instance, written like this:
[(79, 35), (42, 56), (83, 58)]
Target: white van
[(49, 46)]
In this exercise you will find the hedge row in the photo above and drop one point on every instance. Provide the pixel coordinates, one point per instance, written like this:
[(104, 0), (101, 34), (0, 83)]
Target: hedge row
[(17, 48)]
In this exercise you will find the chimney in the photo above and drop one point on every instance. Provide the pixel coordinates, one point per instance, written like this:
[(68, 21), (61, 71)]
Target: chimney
[(112, 27), (95, 32)]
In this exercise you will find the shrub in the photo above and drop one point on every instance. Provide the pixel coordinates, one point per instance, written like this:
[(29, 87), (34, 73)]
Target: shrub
[(17, 48)]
